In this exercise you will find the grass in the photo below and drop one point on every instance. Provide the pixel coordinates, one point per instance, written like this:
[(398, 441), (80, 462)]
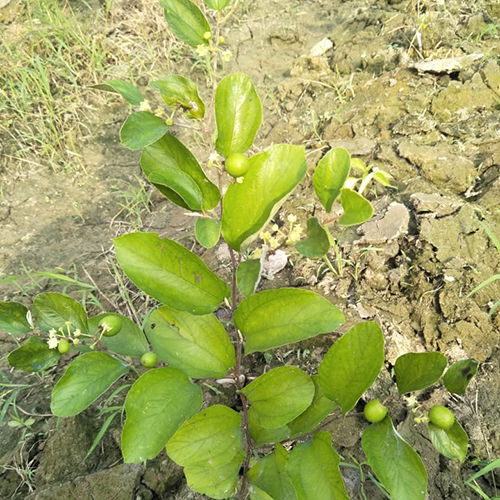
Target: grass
[(50, 54)]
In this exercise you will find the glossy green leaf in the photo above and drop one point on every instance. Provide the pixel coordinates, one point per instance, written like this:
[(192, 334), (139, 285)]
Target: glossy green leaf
[(352, 364), (248, 276), (320, 407), (357, 209), (248, 205), (317, 242), (53, 310), (313, 468), (238, 112), (142, 129), (279, 396), (395, 463), (277, 317), (261, 435), (207, 231), (330, 174), (178, 90), (459, 374), (209, 447), (176, 173), (269, 475), (452, 442), (257, 494), (418, 370), (87, 377), (217, 4), (169, 272), (186, 21), (130, 341), (128, 91), (13, 318), (33, 356), (197, 345), (157, 404)]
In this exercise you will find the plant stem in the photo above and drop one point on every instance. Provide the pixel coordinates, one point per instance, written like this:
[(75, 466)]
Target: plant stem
[(248, 445)]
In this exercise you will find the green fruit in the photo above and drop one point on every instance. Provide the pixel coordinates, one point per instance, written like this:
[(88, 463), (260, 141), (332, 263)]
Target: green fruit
[(63, 346), (375, 411), (110, 325), (441, 417), (237, 164), (149, 359)]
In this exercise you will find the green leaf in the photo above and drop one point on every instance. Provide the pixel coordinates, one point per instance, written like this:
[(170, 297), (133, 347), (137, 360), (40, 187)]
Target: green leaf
[(169, 272), (317, 243), (269, 474), (209, 447), (217, 4), (142, 129), (279, 396), (261, 435), (257, 494), (395, 463), (207, 231), (186, 21), (313, 468), (33, 356), (238, 112), (13, 318), (330, 175), (197, 345), (52, 310), (352, 364), (248, 205), (451, 443), (320, 407), (248, 276), (157, 404), (176, 173), (128, 91), (130, 341), (357, 209), (459, 374), (86, 378), (418, 370), (178, 90), (273, 318)]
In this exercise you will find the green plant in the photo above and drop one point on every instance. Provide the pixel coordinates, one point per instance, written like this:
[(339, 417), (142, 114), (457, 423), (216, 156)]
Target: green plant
[(441, 417), (375, 411), (215, 443)]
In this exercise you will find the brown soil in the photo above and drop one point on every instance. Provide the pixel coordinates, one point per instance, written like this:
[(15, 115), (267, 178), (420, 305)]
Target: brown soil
[(434, 130)]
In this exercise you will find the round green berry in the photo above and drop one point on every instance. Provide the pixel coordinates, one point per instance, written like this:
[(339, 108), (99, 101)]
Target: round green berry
[(63, 346), (149, 359), (375, 411), (237, 164), (441, 417), (110, 325)]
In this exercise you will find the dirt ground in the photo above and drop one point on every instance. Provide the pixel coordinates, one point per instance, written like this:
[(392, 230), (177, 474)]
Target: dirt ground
[(433, 127)]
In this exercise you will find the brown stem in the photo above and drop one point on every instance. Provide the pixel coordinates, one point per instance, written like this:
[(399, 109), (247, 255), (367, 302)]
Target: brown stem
[(243, 490)]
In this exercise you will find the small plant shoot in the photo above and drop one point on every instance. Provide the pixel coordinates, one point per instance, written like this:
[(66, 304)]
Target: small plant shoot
[(209, 326)]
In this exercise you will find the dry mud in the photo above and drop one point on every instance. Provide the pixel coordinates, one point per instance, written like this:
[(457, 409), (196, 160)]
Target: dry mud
[(427, 114)]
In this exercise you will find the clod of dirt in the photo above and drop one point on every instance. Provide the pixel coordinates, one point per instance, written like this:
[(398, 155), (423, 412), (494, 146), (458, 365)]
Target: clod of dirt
[(119, 482), (491, 75), (459, 100), (392, 225), (435, 203), (446, 65), (440, 164)]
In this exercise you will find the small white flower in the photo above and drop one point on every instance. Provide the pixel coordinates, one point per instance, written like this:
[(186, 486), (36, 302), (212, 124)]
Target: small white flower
[(226, 55), (202, 50), (291, 218), (53, 341), (52, 332), (77, 332), (76, 341)]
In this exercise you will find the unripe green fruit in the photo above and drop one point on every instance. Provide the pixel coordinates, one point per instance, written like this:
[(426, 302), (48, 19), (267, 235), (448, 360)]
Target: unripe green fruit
[(63, 346), (441, 417), (110, 325), (237, 164), (149, 359), (375, 411)]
